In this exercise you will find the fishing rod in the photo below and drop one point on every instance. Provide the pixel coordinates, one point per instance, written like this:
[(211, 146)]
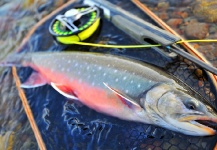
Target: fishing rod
[(142, 30)]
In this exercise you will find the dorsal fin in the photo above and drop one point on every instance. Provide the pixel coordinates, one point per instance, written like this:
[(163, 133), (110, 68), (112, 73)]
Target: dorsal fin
[(64, 90), (127, 100)]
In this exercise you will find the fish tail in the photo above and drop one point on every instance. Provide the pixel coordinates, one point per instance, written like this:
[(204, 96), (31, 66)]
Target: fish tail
[(17, 59)]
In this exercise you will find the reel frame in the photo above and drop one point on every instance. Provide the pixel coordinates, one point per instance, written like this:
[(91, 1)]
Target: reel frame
[(74, 24)]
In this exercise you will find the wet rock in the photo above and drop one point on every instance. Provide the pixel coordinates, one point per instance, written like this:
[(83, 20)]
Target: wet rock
[(186, 2), (163, 15), (187, 61), (151, 2), (190, 20), (212, 97), (196, 46), (191, 67), (200, 83), (205, 9), (179, 14), (178, 31), (197, 30), (180, 3), (174, 22), (162, 6), (184, 14), (213, 29), (214, 63), (213, 36), (209, 51), (199, 73)]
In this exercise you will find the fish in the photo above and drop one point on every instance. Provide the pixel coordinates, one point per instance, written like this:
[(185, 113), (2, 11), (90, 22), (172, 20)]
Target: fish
[(120, 87)]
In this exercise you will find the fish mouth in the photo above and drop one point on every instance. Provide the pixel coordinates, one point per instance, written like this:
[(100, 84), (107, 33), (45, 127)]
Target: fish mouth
[(208, 123), (205, 123)]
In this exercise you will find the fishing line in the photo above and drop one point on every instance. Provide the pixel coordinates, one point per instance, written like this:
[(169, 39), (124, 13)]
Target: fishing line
[(138, 46), (197, 41), (113, 46)]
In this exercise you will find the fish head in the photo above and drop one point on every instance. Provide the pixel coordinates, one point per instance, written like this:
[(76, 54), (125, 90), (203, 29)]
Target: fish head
[(174, 109)]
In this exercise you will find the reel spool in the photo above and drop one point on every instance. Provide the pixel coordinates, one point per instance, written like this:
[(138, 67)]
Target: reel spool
[(76, 24)]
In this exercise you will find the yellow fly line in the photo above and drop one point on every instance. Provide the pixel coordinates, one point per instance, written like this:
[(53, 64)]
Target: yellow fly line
[(138, 46), (198, 41)]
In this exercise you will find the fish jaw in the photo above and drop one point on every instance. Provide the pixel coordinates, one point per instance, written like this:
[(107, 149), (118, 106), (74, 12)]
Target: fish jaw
[(190, 127), (194, 122)]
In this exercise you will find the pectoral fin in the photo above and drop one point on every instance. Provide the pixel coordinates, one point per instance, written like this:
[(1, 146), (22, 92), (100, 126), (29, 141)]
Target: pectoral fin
[(125, 99), (34, 80), (64, 90)]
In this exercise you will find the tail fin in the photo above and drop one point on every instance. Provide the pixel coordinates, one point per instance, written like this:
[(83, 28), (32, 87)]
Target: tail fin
[(16, 59)]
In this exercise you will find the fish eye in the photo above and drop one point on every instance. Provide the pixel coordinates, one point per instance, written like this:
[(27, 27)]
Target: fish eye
[(191, 106)]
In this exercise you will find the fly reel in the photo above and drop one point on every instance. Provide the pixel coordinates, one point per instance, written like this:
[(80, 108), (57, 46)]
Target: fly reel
[(76, 24)]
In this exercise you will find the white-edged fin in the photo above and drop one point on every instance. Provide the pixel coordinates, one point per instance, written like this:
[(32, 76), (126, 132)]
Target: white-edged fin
[(127, 99), (60, 88), (34, 80)]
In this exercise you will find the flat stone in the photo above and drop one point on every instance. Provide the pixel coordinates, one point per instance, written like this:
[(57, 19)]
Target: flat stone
[(197, 30), (174, 22)]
